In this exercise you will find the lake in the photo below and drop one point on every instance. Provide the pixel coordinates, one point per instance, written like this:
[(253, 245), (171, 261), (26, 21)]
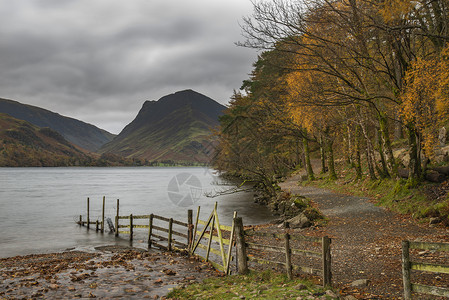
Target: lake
[(39, 206)]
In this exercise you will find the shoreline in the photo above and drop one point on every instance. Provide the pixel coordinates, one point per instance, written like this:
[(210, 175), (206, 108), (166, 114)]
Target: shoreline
[(110, 271)]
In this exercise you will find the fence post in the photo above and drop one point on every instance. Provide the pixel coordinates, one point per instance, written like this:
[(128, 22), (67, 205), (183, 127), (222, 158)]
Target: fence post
[(97, 225), (131, 227), (189, 228), (327, 271), (81, 220), (242, 259), (88, 210), (211, 235), (288, 256), (116, 219), (170, 229), (231, 243), (102, 216), (150, 230), (194, 230), (406, 270)]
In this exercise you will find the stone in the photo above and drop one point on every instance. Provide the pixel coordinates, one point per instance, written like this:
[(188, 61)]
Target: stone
[(442, 136), (331, 294), (360, 283), (434, 221), (300, 221), (300, 287), (349, 297)]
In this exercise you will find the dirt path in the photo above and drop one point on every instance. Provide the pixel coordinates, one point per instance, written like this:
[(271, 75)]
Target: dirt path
[(366, 241)]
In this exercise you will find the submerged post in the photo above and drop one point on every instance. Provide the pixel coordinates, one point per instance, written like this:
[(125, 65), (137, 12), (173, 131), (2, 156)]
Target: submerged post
[(81, 220), (150, 230), (88, 215), (189, 228), (130, 227), (116, 219), (170, 234), (102, 216)]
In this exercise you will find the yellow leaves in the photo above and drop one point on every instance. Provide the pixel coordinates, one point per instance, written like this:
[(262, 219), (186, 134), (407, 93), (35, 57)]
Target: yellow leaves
[(425, 100)]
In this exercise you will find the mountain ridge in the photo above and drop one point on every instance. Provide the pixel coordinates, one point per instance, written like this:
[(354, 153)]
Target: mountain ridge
[(176, 127), (80, 133)]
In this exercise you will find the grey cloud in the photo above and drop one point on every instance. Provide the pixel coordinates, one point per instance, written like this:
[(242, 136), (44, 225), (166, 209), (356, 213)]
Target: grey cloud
[(98, 60)]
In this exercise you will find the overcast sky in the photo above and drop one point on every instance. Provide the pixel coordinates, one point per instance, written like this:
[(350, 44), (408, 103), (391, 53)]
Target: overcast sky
[(99, 60)]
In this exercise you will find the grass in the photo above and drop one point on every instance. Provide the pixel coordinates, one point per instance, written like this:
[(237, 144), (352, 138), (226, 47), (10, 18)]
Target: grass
[(256, 285), (397, 195)]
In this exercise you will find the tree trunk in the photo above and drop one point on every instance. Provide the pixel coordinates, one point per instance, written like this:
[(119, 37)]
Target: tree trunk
[(358, 160), (387, 144), (323, 156), (330, 158), (415, 159), (384, 172), (308, 165)]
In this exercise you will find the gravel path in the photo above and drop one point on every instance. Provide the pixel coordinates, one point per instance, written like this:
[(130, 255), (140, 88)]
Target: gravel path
[(366, 242)]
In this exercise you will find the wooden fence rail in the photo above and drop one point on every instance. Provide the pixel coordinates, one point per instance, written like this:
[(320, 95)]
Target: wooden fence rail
[(172, 244), (288, 251), (213, 231), (408, 265)]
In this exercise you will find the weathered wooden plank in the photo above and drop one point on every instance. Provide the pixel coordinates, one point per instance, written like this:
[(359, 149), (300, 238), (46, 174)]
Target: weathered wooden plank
[(123, 232), (214, 251), (160, 228), (306, 253), (180, 244), (226, 228), (180, 223), (204, 223), (123, 217), (264, 247), (430, 246), (223, 253), (141, 217), (214, 237), (312, 239), (231, 239), (406, 270), (265, 262), (140, 226), (123, 226), (161, 218), (252, 232), (160, 237), (429, 267), (180, 234), (431, 290), (217, 266)]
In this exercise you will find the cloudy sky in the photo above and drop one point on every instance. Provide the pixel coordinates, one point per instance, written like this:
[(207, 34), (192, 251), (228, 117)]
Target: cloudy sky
[(99, 60)]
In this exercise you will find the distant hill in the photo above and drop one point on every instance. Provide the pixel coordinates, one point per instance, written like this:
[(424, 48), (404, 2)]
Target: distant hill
[(177, 127), (82, 134), (23, 144)]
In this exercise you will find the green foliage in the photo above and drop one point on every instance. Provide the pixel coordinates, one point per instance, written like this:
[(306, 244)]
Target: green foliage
[(256, 285)]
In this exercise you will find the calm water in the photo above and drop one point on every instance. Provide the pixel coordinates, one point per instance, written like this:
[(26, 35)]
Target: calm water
[(39, 206)]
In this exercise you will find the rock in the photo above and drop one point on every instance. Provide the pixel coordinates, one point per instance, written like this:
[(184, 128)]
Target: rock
[(54, 286), (300, 221), (71, 288), (360, 283), (349, 297), (300, 287), (159, 281), (331, 294), (434, 221)]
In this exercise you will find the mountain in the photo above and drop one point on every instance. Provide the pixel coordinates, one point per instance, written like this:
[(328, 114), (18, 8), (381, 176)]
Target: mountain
[(177, 127), (23, 144), (84, 135)]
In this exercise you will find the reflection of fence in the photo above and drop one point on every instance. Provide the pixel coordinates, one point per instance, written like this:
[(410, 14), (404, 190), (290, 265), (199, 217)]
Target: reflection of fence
[(408, 265), (158, 231), (213, 231), (287, 251)]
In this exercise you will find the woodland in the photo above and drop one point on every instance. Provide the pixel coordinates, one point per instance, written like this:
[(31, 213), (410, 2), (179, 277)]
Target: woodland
[(345, 81)]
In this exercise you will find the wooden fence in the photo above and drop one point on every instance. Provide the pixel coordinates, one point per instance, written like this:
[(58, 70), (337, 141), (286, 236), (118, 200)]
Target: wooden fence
[(99, 225), (157, 232), (213, 231), (287, 251), (408, 265)]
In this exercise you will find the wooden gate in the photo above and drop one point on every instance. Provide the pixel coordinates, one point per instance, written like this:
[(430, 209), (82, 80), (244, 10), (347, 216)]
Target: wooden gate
[(213, 231)]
